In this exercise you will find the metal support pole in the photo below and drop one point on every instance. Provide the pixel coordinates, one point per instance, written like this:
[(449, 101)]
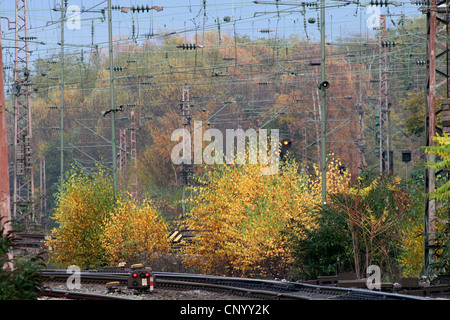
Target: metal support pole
[(361, 143), (63, 14), (323, 103), (384, 145), (434, 11), (5, 198), (430, 178), (43, 191), (112, 107)]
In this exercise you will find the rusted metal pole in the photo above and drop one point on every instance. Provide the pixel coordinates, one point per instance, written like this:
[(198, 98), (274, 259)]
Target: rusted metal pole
[(5, 198), (430, 177)]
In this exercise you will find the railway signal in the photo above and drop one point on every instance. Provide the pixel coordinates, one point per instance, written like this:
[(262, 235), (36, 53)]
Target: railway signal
[(140, 279), (286, 144)]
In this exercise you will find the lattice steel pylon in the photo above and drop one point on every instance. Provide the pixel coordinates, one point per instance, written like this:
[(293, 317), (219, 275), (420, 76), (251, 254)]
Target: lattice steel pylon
[(23, 197), (187, 168), (133, 149), (123, 157), (186, 118), (438, 20)]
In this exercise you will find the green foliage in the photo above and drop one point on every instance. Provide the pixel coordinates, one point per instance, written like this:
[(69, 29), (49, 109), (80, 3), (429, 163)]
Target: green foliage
[(442, 264), (414, 104), (359, 226), (24, 282), (324, 250), (442, 195), (442, 149)]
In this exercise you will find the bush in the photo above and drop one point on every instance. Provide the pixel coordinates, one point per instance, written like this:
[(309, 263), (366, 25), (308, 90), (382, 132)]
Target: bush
[(84, 204), (241, 218), (135, 233), (24, 282)]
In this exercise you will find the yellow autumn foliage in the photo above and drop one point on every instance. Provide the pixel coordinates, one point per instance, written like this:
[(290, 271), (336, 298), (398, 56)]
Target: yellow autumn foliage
[(240, 217), (134, 233), (412, 255), (94, 229), (82, 206)]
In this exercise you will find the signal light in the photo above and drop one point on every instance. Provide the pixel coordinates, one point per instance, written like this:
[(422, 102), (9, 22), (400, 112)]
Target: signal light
[(286, 144), (324, 85), (140, 279)]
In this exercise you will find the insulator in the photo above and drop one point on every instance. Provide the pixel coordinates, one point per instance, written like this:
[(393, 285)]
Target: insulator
[(265, 30), (140, 8), (115, 7), (263, 82), (131, 61), (191, 46), (53, 107)]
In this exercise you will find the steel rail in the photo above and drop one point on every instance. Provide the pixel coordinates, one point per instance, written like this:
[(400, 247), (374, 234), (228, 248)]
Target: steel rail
[(268, 289)]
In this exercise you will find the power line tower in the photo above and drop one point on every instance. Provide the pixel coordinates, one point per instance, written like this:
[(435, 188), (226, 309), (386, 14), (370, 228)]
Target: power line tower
[(438, 20), (123, 163), (186, 169), (133, 149), (23, 197)]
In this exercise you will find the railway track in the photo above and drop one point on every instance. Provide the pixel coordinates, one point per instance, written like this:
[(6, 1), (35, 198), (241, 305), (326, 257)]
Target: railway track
[(243, 287)]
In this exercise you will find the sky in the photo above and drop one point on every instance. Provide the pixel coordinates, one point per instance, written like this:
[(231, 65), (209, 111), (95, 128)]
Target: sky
[(187, 17)]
